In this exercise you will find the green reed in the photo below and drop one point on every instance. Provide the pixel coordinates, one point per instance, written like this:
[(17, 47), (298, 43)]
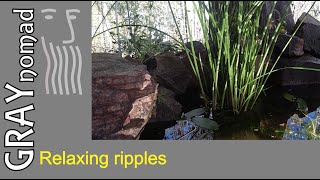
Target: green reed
[(239, 52)]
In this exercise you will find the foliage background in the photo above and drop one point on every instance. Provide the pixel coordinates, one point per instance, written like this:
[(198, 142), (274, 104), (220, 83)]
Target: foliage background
[(155, 14)]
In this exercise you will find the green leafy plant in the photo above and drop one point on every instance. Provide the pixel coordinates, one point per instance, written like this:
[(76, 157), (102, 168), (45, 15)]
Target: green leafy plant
[(142, 45), (301, 103), (131, 30), (198, 117), (239, 52)]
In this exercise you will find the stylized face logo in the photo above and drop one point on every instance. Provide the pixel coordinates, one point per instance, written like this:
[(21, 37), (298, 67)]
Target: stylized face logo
[(69, 14), (64, 61)]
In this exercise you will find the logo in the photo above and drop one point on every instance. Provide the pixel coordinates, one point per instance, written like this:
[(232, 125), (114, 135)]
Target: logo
[(64, 60)]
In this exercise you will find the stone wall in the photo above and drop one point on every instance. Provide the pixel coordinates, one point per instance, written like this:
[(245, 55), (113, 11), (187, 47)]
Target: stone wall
[(123, 97)]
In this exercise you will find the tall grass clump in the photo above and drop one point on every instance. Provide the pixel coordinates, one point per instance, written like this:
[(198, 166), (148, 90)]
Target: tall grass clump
[(239, 48)]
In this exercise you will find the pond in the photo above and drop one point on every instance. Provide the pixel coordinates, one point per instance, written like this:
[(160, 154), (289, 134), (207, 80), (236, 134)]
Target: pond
[(267, 121)]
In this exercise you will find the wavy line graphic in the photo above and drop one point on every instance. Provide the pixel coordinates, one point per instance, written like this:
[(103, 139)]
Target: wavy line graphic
[(66, 69), (59, 56), (55, 66), (73, 69), (48, 64), (79, 69), (60, 70)]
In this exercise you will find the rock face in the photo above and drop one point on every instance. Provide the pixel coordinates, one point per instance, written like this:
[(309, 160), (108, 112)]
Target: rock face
[(199, 49), (136, 61), (167, 108), (281, 7), (310, 32), (299, 77), (171, 73), (307, 19), (123, 97), (280, 10), (294, 48)]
